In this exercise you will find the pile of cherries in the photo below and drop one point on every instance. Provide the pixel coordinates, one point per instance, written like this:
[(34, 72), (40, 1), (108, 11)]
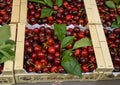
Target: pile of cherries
[(108, 15), (42, 52), (5, 11), (71, 12), (113, 39)]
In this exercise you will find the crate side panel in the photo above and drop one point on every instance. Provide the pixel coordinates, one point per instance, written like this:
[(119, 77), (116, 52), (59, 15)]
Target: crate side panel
[(23, 13), (107, 57), (100, 60), (94, 36)]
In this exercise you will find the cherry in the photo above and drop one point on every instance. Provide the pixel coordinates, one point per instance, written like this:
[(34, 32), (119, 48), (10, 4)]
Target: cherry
[(112, 36), (43, 62), (54, 69), (60, 69), (85, 68), (50, 57), (68, 17), (57, 54), (45, 70), (90, 50), (37, 48), (50, 41), (116, 30), (38, 66), (57, 46), (77, 52), (51, 50), (34, 56), (57, 61), (84, 53), (41, 55), (29, 49)]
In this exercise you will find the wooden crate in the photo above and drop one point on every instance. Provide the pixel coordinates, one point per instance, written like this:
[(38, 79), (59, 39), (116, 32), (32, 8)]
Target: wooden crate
[(92, 12), (15, 12), (22, 76), (7, 76), (23, 11)]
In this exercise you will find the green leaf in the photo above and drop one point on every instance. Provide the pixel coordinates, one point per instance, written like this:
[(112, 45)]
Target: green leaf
[(117, 1), (115, 25), (4, 33), (82, 43), (38, 1), (66, 53), (3, 59), (8, 46), (66, 41), (60, 31), (10, 52), (59, 2), (6, 54), (118, 20), (71, 65), (11, 42), (110, 4), (49, 3), (46, 12)]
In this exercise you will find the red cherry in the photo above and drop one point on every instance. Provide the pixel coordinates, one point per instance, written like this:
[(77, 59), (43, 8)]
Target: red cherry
[(84, 53), (37, 48), (41, 55), (85, 68), (77, 52), (43, 62), (38, 66), (50, 18), (51, 50), (68, 17), (54, 69)]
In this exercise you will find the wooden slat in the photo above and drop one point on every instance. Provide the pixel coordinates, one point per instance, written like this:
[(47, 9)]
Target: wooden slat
[(107, 57), (23, 13), (19, 56), (15, 12), (99, 59), (101, 33), (94, 36), (21, 32)]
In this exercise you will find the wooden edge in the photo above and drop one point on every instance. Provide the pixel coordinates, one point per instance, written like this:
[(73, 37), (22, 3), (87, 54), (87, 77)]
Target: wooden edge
[(101, 67), (7, 80), (24, 1), (21, 32), (87, 3), (8, 65), (94, 36), (100, 32), (92, 12), (23, 12), (16, 2), (15, 12), (34, 78), (95, 11), (107, 76), (19, 57), (107, 57), (92, 77)]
